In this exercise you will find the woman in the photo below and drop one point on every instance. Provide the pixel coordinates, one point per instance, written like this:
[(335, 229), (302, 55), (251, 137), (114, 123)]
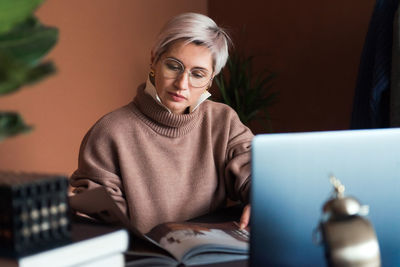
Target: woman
[(170, 154)]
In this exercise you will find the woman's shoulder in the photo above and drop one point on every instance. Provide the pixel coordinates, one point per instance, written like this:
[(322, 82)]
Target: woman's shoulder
[(223, 118), (116, 119), (222, 114), (218, 111), (218, 107)]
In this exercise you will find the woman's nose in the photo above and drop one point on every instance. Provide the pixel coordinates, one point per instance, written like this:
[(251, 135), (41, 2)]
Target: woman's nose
[(182, 81)]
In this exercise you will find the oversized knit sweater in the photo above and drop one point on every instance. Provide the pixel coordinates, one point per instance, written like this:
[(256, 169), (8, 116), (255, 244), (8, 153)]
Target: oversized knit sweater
[(159, 166)]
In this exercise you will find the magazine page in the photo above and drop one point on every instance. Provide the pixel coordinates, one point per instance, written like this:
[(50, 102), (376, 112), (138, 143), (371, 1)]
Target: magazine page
[(186, 239)]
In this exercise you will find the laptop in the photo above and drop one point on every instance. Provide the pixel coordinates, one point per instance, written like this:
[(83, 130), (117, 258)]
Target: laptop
[(291, 183)]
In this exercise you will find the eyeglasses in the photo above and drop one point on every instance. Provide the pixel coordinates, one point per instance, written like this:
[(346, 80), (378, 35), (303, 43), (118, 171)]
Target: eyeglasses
[(172, 69)]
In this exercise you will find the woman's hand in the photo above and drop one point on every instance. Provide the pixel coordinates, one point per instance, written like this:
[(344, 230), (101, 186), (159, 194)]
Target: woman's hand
[(245, 218)]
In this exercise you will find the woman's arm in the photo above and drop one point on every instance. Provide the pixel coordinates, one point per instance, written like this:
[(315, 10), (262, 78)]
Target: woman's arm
[(98, 166)]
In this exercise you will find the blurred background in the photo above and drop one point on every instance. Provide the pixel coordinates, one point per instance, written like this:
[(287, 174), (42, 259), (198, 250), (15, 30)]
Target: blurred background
[(103, 54)]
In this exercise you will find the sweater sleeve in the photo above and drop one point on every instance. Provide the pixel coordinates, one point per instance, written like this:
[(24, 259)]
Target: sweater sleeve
[(238, 161), (98, 165)]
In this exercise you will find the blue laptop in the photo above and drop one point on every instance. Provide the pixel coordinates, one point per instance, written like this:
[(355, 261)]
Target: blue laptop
[(291, 184)]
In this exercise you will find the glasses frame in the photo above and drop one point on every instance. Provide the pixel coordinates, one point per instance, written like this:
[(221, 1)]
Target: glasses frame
[(183, 71)]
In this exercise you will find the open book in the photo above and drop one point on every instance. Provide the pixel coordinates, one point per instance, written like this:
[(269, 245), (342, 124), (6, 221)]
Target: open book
[(173, 243)]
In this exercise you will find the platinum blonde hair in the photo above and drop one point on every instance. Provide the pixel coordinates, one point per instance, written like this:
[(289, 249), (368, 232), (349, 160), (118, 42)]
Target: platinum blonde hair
[(198, 29)]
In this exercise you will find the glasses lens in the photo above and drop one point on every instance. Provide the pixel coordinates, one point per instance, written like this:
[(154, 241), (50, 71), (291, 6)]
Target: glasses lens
[(172, 68), (197, 77)]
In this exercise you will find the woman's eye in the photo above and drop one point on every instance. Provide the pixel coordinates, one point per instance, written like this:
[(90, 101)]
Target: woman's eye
[(174, 67), (198, 75)]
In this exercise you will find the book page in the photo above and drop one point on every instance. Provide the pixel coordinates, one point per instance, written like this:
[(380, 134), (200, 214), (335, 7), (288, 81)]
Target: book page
[(185, 239)]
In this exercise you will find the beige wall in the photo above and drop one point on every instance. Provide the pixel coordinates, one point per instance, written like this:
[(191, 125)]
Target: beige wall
[(102, 55), (313, 46)]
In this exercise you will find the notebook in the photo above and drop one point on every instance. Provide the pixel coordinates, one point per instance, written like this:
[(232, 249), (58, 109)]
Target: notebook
[(291, 183)]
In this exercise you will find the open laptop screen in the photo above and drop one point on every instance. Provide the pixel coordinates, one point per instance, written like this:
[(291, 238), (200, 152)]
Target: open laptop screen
[(290, 184)]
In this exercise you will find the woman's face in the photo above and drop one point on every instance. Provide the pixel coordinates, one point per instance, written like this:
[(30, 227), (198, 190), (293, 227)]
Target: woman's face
[(179, 93)]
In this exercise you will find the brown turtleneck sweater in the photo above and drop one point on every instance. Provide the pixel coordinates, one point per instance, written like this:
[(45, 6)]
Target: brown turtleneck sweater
[(160, 166)]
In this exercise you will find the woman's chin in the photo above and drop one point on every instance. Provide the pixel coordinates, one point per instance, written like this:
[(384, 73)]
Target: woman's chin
[(177, 108)]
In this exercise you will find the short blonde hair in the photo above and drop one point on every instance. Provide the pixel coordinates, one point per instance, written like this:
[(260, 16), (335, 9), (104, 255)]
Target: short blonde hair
[(198, 29)]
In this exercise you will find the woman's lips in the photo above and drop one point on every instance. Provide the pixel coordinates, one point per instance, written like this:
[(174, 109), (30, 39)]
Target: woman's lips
[(177, 97)]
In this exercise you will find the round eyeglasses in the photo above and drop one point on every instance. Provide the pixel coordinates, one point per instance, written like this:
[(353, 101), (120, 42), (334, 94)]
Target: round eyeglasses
[(172, 69)]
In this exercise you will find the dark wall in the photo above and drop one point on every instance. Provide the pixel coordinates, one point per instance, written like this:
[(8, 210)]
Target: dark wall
[(313, 46)]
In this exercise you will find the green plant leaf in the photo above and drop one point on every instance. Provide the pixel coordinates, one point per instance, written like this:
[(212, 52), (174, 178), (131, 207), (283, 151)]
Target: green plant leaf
[(29, 42), (23, 44), (220, 81), (13, 12), (11, 124), (14, 74), (245, 91)]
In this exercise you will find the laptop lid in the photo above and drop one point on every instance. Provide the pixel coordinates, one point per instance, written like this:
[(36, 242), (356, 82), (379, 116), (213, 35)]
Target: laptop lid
[(290, 184)]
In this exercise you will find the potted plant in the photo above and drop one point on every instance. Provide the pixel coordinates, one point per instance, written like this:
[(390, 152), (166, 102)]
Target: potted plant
[(248, 93), (24, 41)]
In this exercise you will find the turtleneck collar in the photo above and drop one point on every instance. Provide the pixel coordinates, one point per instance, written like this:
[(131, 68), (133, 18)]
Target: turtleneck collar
[(151, 90), (161, 120)]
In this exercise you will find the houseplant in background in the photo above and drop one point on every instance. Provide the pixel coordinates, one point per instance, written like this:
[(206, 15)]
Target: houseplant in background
[(247, 92), (24, 41)]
